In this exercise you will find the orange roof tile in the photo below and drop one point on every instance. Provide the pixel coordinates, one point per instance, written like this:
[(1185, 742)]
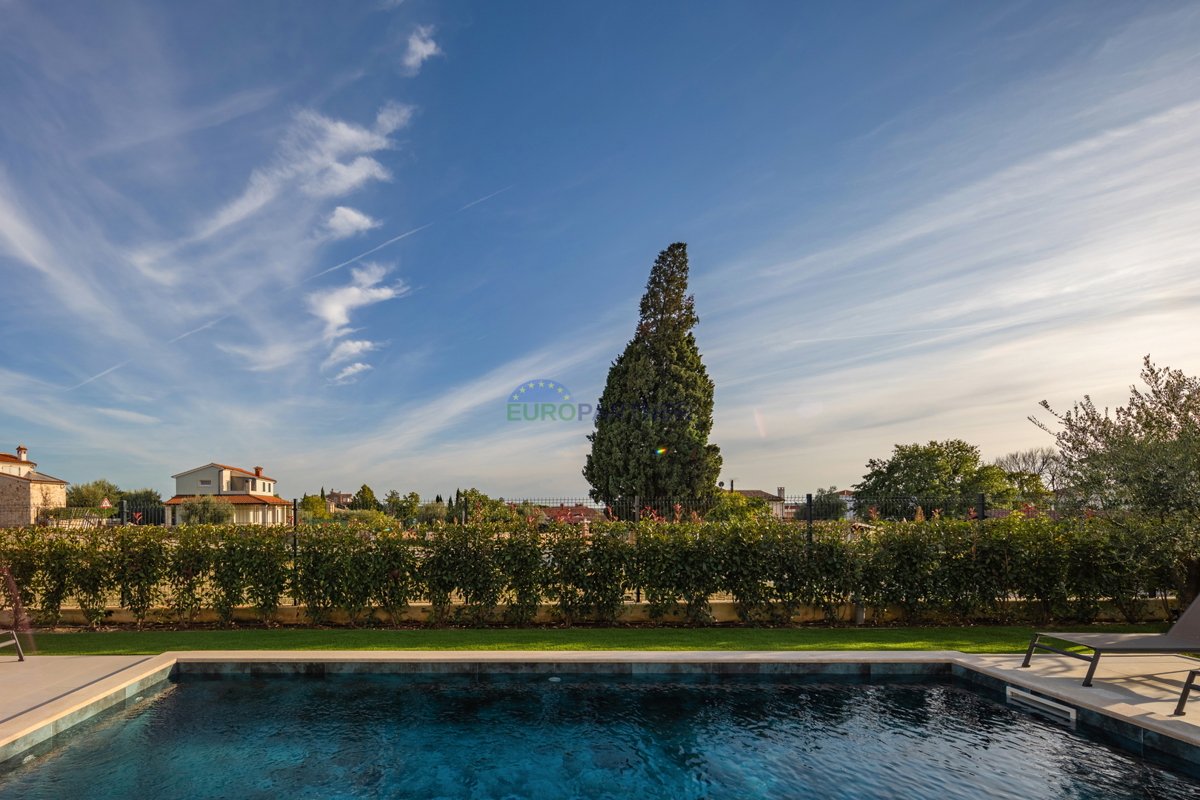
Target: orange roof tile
[(224, 466), (239, 469), (236, 499), (33, 477), (759, 493)]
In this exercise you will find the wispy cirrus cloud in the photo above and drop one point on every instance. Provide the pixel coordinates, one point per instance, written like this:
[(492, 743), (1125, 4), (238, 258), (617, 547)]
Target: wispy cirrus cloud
[(333, 306), (214, 277), (347, 374), (349, 349), (345, 222), (320, 157), (24, 240), (124, 415), (187, 121), (271, 355), (421, 47)]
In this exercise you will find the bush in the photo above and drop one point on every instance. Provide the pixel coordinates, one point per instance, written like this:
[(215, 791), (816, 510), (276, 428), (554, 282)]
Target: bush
[(139, 560), (320, 573), (313, 506), (93, 578), (946, 568), (372, 518), (205, 510), (189, 565), (676, 564), (587, 571), (393, 568), (431, 513), (736, 507), (521, 558)]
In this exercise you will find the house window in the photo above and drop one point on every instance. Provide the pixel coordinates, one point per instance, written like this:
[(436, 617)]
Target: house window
[(204, 482)]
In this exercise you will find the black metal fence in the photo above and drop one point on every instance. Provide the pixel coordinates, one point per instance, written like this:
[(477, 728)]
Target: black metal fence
[(19, 515), (801, 508), (721, 506)]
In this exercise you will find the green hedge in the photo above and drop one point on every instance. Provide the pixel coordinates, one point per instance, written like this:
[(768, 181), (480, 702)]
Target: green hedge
[(956, 570)]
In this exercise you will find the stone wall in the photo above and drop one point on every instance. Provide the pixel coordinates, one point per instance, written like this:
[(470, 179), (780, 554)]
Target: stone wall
[(50, 495), (16, 507), (20, 500)]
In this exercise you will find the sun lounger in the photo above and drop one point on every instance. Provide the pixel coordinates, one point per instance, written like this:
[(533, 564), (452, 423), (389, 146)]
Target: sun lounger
[(10, 637), (1187, 690), (1183, 637)]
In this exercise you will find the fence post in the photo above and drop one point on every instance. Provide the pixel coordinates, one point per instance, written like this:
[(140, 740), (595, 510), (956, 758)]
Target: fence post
[(809, 509), (637, 517), (295, 534), (981, 508), (124, 512)]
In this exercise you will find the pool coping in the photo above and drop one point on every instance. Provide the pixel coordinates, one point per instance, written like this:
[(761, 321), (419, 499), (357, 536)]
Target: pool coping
[(44, 727), (1174, 743)]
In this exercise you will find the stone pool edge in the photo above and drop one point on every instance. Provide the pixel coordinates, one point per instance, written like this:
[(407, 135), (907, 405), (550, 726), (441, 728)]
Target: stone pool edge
[(44, 727), (1170, 742)]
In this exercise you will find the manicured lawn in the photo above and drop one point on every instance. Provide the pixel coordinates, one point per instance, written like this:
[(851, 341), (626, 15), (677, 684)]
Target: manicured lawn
[(982, 639)]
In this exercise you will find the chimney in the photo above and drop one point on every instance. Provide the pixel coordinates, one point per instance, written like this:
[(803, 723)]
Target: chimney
[(22, 453), (779, 492), (258, 472)]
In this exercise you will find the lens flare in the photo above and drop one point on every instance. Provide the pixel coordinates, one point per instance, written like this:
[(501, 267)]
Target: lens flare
[(662, 451)]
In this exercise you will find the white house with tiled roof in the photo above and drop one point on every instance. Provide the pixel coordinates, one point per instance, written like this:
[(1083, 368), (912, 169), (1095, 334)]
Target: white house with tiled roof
[(252, 494), (24, 491)]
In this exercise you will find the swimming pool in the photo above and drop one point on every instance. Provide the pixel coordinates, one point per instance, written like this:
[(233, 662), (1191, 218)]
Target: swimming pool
[(580, 736)]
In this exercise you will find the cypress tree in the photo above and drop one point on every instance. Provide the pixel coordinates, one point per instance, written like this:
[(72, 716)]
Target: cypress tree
[(364, 500), (652, 426)]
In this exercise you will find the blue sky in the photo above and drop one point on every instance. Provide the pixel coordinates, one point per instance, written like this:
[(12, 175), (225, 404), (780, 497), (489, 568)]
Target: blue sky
[(330, 239)]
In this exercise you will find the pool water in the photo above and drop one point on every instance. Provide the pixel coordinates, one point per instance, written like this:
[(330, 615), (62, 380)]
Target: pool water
[(580, 737)]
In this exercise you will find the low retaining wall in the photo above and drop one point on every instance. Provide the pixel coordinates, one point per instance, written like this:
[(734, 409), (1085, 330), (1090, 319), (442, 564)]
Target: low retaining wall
[(634, 613)]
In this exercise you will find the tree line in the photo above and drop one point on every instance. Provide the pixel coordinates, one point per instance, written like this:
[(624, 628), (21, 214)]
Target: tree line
[(462, 506), (93, 493)]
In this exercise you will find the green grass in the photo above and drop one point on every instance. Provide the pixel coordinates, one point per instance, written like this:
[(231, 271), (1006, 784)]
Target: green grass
[(983, 639)]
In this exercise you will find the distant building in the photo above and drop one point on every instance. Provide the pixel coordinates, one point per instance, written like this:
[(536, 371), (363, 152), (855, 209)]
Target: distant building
[(251, 493), (338, 501), (24, 492)]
